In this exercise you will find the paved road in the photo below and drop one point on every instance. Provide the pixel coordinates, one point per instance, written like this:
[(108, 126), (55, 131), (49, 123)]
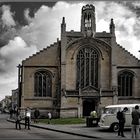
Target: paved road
[(7, 130), (42, 131)]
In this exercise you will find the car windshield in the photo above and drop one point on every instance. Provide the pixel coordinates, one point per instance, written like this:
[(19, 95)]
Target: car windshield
[(110, 110)]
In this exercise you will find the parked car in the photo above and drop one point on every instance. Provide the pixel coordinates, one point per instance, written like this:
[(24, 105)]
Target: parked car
[(109, 120)]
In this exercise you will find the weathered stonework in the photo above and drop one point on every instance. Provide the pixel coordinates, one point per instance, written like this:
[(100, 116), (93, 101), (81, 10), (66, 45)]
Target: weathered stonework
[(60, 60)]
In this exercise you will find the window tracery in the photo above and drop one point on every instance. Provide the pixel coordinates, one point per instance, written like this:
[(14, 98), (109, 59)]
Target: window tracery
[(42, 84), (125, 83), (87, 68)]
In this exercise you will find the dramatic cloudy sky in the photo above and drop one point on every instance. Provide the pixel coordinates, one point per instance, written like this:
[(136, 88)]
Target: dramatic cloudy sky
[(28, 27)]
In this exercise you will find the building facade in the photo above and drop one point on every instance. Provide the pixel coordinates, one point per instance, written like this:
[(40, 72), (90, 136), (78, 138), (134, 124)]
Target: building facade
[(82, 72), (5, 104)]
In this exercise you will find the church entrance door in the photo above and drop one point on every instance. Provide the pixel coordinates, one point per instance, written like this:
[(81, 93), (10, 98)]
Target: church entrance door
[(88, 106)]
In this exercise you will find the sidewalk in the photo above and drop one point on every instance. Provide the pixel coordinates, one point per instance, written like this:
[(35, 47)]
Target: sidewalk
[(83, 130), (80, 130)]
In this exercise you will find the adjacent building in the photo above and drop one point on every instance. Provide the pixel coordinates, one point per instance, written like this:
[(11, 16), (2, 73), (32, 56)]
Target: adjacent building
[(5, 104)]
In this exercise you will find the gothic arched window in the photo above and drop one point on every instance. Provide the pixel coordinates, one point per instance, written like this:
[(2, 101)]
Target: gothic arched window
[(87, 68), (42, 84), (125, 83)]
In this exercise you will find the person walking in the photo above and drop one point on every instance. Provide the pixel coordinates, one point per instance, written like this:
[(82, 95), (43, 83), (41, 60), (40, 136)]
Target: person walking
[(36, 115), (27, 118), (18, 119), (121, 119), (135, 122), (50, 117)]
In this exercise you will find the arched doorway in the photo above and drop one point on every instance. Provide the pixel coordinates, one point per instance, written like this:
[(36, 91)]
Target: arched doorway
[(88, 106)]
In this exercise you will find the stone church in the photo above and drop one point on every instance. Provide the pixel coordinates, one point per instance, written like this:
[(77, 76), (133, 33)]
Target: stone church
[(81, 72)]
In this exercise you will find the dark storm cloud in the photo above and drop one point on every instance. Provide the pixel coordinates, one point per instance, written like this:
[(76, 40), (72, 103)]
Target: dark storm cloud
[(18, 10), (7, 35), (19, 7)]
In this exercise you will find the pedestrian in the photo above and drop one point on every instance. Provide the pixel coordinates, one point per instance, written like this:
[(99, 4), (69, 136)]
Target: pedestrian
[(11, 113), (27, 118), (36, 115), (135, 122), (121, 119), (18, 119), (49, 117), (14, 112)]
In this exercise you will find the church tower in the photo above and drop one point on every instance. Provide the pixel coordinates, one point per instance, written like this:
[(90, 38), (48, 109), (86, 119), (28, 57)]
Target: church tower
[(88, 25)]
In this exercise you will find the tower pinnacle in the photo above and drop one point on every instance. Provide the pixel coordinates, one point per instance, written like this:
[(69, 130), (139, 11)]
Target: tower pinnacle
[(63, 25), (88, 25), (112, 27)]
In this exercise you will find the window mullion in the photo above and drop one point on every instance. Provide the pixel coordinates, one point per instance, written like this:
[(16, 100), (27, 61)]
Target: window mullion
[(84, 69), (129, 86), (90, 69), (125, 85), (46, 90), (94, 71), (80, 72), (37, 88), (121, 86), (42, 86)]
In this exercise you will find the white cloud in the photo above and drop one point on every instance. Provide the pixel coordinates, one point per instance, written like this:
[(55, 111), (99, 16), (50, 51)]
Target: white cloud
[(27, 16), (15, 51), (7, 16), (126, 24), (45, 27), (11, 56), (13, 46)]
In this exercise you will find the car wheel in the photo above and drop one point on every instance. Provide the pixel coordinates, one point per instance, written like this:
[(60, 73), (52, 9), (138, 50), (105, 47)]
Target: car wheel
[(115, 127)]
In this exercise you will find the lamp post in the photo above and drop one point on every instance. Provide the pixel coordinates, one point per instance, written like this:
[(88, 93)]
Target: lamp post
[(19, 86)]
